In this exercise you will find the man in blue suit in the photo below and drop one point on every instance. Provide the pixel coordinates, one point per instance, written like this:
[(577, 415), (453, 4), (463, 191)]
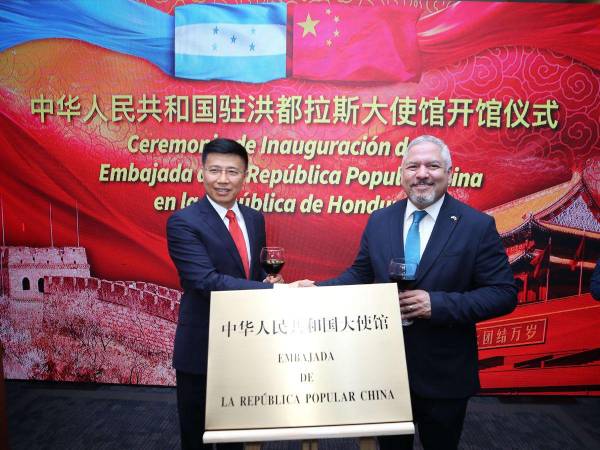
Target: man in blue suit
[(215, 245), (463, 277)]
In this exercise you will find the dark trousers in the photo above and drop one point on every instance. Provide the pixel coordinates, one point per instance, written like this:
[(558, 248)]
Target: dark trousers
[(439, 423), (191, 406)]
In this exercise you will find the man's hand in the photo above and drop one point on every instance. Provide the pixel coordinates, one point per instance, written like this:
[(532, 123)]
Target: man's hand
[(415, 304), (273, 279), (302, 283)]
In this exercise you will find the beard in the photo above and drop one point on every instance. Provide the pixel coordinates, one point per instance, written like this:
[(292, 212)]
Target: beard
[(422, 201)]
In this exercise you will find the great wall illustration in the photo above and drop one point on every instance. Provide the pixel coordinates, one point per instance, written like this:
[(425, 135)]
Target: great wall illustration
[(57, 322)]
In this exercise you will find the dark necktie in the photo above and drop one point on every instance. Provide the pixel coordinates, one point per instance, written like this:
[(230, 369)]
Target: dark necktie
[(238, 238), (412, 246)]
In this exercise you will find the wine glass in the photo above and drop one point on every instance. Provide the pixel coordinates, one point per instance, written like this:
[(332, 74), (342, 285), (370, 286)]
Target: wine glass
[(403, 273), (272, 260)]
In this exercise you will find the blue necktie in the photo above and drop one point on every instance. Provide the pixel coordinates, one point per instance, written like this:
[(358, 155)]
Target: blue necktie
[(412, 246)]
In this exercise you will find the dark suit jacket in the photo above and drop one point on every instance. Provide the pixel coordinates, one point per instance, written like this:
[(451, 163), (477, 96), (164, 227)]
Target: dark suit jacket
[(207, 260), (464, 269)]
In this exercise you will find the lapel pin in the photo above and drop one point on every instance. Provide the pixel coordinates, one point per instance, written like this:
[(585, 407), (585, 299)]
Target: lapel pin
[(454, 218)]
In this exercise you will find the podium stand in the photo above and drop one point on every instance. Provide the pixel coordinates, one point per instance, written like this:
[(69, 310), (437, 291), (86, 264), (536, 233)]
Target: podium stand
[(307, 357)]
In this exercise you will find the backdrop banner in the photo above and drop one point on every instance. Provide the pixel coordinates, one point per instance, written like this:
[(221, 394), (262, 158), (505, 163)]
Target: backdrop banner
[(105, 108)]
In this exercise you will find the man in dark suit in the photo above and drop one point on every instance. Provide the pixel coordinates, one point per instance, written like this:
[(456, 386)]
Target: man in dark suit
[(215, 245), (462, 277)]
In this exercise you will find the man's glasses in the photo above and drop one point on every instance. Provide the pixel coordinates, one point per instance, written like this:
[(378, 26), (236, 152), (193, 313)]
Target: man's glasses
[(216, 171)]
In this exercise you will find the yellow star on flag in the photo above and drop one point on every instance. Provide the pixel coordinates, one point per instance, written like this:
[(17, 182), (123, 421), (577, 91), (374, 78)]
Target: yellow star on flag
[(309, 26)]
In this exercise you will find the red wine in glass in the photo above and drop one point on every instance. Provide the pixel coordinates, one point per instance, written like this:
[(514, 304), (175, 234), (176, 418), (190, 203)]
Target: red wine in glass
[(272, 266), (403, 273), (404, 284), (272, 259)]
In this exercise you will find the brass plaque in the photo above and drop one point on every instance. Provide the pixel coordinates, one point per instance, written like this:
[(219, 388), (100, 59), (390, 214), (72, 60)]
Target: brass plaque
[(322, 356)]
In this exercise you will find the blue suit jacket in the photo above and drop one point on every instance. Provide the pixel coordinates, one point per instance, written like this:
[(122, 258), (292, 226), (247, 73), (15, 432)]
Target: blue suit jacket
[(207, 260), (464, 269)]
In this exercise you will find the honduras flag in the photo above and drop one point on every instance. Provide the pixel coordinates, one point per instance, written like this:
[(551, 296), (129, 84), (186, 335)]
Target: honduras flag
[(231, 42)]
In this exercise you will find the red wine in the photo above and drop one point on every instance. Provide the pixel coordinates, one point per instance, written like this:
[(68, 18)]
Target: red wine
[(272, 266), (403, 283)]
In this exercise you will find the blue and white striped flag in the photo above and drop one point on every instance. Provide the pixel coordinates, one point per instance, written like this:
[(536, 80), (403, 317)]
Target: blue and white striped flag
[(231, 42)]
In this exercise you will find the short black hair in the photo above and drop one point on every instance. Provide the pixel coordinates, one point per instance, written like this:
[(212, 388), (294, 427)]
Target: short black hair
[(227, 147)]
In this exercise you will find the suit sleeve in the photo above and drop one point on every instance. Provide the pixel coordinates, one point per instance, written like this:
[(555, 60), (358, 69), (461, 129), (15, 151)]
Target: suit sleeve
[(361, 270), (493, 291), (194, 264)]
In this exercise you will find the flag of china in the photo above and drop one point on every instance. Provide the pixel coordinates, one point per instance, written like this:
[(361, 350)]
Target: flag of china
[(352, 43)]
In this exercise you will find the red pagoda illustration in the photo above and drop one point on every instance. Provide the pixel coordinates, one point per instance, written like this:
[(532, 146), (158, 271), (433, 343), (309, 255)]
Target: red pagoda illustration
[(550, 343)]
